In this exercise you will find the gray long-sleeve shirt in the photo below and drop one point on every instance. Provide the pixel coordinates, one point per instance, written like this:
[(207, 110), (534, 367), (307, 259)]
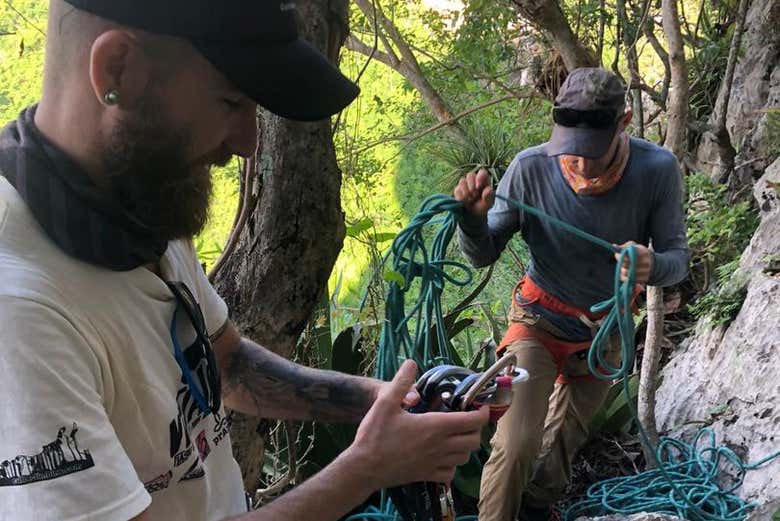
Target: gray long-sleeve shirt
[(645, 204)]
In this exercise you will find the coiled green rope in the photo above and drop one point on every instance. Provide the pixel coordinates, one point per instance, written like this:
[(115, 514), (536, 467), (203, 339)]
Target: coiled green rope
[(685, 484), (412, 260), (686, 480)]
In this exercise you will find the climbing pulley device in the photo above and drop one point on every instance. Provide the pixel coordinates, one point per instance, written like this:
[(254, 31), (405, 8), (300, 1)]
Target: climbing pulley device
[(448, 388)]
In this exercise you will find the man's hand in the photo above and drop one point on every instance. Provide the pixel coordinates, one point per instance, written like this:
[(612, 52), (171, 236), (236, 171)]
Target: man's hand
[(644, 262), (394, 447), (411, 398), (475, 192)]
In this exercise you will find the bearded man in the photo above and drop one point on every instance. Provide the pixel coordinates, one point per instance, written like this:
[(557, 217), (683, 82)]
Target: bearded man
[(108, 325)]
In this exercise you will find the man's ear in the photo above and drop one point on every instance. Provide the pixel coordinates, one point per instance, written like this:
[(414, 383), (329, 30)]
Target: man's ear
[(118, 63)]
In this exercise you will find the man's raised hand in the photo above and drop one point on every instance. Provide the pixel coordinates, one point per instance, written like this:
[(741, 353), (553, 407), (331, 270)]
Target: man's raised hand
[(475, 192)]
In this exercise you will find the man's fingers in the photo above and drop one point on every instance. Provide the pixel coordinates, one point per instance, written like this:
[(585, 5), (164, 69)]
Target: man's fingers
[(412, 397), (487, 193), (394, 394), (471, 183), (465, 423), (483, 179), (459, 195), (443, 474), (462, 443)]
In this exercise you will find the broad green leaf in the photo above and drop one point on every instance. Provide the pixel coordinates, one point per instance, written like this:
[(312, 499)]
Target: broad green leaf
[(353, 230), (394, 276), (384, 237)]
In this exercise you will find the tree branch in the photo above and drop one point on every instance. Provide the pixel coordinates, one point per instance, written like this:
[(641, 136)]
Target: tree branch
[(407, 64), (408, 138), (356, 45), (23, 17), (549, 17), (649, 31), (248, 198), (678, 97)]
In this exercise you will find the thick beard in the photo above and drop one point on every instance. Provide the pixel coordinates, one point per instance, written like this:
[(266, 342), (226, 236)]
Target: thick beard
[(149, 174)]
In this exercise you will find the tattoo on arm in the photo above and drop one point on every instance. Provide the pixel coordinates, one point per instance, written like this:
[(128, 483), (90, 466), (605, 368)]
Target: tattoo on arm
[(257, 381)]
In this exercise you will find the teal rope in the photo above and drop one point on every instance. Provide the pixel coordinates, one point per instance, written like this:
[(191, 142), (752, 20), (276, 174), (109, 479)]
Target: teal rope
[(412, 259), (685, 482), (617, 308)]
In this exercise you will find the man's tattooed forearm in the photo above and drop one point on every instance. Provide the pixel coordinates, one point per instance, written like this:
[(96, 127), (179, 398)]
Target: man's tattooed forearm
[(260, 382)]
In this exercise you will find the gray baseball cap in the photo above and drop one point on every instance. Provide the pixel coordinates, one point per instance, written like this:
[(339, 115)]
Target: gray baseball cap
[(586, 113)]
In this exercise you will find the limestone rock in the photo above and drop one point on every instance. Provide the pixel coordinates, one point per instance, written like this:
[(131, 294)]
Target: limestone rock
[(729, 377), (642, 516), (756, 87)]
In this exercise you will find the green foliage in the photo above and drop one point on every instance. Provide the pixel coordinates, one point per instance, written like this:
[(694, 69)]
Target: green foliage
[(706, 69), (467, 56), (773, 130), (22, 26), (725, 299), (615, 414), (718, 229), (708, 44), (222, 211), (718, 232)]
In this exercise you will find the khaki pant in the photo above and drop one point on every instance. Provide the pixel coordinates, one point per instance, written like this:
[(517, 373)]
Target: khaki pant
[(541, 432)]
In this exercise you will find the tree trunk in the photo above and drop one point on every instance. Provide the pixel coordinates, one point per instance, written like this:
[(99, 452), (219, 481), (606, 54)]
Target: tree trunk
[(660, 98), (675, 141), (722, 138), (677, 104), (406, 64), (286, 250), (648, 377), (629, 35), (600, 37), (548, 16)]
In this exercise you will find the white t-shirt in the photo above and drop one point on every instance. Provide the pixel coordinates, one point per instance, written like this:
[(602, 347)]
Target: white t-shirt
[(96, 420)]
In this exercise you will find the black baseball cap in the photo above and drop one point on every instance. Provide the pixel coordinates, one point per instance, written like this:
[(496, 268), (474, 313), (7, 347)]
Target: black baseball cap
[(586, 112), (254, 44)]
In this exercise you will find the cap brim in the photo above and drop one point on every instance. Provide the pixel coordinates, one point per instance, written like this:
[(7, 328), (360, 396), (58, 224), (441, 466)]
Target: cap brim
[(577, 141), (290, 79)]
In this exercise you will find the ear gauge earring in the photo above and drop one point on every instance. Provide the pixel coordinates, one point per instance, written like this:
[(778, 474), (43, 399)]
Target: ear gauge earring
[(111, 97)]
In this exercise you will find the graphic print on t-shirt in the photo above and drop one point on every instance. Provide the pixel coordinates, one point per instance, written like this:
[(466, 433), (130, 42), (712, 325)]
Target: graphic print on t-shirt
[(188, 436), (189, 415), (56, 459), (159, 483), (194, 472)]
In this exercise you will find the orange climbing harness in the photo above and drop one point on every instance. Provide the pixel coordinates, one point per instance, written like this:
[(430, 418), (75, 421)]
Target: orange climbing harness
[(531, 326)]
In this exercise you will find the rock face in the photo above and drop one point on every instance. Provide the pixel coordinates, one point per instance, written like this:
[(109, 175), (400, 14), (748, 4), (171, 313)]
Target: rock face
[(756, 87), (730, 377), (642, 516)]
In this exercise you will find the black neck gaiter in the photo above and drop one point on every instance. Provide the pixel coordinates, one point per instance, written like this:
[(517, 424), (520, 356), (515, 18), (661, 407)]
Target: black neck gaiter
[(84, 221)]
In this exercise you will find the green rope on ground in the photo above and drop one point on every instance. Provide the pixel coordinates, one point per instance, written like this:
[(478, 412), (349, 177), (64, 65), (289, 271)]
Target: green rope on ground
[(686, 480), (686, 484)]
